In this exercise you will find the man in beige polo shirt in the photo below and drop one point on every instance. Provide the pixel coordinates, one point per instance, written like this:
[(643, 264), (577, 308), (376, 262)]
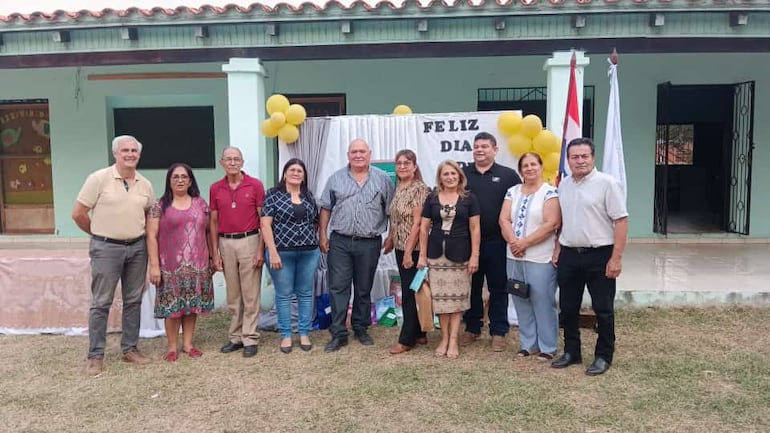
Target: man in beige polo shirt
[(117, 198)]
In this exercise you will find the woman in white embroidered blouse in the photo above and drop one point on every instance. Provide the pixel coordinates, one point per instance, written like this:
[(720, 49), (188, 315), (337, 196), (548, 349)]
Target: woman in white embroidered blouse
[(529, 219)]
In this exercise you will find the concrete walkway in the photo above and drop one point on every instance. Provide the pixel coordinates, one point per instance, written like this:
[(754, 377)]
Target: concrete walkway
[(655, 272), (695, 274)]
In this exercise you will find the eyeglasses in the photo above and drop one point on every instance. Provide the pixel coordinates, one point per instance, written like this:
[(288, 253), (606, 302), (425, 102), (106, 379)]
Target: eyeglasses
[(404, 163), (180, 177), (232, 160)]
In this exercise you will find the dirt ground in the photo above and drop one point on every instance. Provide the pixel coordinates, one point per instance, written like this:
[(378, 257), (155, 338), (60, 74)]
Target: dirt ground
[(675, 370)]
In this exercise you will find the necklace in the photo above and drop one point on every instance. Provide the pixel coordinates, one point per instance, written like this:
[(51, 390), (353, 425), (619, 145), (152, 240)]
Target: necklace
[(234, 190), (233, 196)]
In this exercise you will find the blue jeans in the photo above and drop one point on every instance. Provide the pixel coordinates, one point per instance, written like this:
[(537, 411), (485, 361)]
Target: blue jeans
[(295, 278), (538, 318)]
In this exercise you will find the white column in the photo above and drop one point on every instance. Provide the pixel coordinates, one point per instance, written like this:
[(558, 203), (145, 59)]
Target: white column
[(557, 68), (246, 109)]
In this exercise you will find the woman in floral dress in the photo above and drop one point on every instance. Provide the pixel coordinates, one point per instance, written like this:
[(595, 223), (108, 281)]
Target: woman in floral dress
[(179, 251)]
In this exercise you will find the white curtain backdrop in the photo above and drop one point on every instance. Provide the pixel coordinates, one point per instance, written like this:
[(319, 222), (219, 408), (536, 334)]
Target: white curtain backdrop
[(324, 141), (436, 137), (310, 148)]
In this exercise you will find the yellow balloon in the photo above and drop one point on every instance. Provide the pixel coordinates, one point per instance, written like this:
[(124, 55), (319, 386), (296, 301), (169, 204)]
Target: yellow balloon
[(550, 162), (402, 109), (519, 145), (289, 133), (268, 129), (531, 125), (278, 119), (549, 178), (277, 103), (509, 123), (546, 142), (296, 114)]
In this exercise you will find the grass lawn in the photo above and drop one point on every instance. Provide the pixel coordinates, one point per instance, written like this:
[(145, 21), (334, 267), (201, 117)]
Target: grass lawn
[(683, 370)]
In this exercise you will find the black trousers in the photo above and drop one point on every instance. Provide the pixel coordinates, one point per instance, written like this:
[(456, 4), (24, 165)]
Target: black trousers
[(578, 268), (410, 330), (492, 265), (351, 260)]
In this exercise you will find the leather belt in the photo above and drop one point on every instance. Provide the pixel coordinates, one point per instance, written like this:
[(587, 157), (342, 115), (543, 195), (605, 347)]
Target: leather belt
[(583, 250), (356, 237), (117, 241), (239, 235)]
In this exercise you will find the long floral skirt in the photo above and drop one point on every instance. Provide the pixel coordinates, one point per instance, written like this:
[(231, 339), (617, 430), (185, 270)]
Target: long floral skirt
[(450, 285)]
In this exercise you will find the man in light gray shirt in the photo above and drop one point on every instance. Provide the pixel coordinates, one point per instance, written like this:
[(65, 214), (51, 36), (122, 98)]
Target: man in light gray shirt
[(589, 252), (354, 207)]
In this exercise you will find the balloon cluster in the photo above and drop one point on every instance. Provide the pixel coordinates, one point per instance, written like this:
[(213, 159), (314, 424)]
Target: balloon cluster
[(402, 109), (527, 135), (284, 119)]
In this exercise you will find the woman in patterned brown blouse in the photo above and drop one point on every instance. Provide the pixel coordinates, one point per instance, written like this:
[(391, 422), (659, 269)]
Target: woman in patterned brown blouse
[(404, 236)]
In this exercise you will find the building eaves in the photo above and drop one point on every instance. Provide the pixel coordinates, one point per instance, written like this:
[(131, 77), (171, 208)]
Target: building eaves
[(356, 9)]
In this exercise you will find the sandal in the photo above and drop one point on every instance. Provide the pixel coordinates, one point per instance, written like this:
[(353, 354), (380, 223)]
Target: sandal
[(544, 356), (523, 353), (171, 356), (194, 352)]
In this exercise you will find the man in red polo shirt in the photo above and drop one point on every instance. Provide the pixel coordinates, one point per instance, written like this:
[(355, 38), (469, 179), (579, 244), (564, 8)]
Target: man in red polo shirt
[(236, 203)]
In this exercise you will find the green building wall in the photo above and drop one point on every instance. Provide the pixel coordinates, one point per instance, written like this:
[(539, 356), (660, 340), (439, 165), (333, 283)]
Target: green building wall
[(81, 130)]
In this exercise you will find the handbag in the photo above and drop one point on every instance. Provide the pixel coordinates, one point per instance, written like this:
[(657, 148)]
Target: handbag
[(424, 302), (517, 288)]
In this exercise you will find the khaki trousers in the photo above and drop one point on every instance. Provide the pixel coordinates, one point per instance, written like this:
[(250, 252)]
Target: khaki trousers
[(243, 285)]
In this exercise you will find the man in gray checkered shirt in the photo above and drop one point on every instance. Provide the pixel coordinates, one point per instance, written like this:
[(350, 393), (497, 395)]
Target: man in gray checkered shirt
[(354, 207)]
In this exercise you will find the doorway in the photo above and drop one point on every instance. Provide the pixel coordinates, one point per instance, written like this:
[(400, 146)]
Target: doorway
[(26, 194), (703, 155)]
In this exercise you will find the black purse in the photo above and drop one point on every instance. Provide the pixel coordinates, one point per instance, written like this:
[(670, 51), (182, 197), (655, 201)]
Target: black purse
[(517, 288)]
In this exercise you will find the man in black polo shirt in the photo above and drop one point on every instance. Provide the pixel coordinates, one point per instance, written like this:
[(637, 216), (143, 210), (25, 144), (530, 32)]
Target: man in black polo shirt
[(489, 181)]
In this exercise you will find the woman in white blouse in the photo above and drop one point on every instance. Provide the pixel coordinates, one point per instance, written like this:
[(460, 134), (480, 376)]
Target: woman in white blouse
[(529, 219)]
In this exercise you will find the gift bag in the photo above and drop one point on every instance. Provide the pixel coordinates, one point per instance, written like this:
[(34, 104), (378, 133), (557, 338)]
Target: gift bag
[(389, 318), (323, 312), (424, 307), (382, 305), (395, 289)]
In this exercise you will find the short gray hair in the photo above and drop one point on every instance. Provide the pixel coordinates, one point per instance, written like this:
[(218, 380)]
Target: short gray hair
[(231, 148), (116, 142)]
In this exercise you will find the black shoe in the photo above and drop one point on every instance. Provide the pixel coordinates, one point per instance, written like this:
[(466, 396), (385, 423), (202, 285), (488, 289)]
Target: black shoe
[(566, 360), (286, 349), (249, 351), (335, 344), (364, 338), (231, 347), (599, 366), (306, 347)]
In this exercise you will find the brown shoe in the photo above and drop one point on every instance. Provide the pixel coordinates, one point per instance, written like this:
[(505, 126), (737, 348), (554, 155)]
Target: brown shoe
[(468, 338), (422, 340), (399, 348), (499, 343), (94, 366), (133, 356)]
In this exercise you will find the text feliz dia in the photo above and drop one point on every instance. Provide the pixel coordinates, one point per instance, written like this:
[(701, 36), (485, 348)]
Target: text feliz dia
[(461, 125)]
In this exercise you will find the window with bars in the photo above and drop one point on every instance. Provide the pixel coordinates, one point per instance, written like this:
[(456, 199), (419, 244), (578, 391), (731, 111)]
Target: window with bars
[(679, 149), (533, 100)]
